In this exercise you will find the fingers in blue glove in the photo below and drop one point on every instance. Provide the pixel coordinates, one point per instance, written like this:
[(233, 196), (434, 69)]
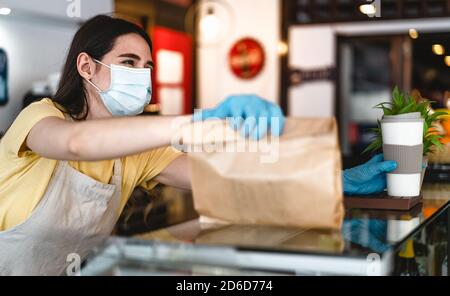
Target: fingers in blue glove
[(381, 167), (248, 126), (268, 115), (237, 114), (276, 121), (368, 178), (262, 126), (249, 113), (376, 158)]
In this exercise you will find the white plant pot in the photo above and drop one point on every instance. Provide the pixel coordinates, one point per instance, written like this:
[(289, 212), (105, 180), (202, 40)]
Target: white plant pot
[(403, 142)]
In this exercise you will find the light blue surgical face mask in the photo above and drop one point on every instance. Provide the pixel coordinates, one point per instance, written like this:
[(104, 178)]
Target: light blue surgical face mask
[(130, 90)]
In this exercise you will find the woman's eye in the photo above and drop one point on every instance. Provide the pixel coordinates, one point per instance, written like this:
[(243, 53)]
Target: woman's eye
[(128, 63)]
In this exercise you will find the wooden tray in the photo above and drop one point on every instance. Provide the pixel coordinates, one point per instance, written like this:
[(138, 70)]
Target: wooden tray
[(381, 201)]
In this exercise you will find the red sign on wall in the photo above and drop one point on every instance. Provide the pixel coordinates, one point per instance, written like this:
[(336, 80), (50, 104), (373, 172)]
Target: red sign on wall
[(168, 43), (247, 58)]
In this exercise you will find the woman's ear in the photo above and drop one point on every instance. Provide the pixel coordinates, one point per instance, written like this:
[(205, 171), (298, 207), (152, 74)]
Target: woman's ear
[(86, 66)]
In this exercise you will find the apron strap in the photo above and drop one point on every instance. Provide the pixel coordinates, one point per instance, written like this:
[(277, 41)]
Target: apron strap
[(117, 167)]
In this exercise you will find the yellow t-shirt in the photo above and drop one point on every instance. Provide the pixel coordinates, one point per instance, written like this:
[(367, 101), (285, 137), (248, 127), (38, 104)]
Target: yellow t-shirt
[(24, 175)]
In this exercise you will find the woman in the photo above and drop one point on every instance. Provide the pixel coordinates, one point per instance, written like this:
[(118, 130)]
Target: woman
[(69, 164)]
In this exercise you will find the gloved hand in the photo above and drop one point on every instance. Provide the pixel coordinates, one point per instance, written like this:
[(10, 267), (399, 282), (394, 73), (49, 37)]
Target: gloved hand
[(368, 178), (249, 113)]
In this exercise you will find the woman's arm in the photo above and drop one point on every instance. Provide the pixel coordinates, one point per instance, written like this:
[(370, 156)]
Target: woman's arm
[(93, 140), (100, 139), (177, 173)]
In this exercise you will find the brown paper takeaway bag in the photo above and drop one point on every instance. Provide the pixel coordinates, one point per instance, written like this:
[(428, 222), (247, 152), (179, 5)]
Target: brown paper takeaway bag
[(297, 183)]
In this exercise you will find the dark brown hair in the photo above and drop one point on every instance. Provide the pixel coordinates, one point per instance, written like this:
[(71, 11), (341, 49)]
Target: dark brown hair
[(96, 37)]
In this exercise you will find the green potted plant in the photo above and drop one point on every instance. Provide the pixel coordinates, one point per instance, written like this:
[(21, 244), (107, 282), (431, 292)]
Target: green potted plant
[(406, 135)]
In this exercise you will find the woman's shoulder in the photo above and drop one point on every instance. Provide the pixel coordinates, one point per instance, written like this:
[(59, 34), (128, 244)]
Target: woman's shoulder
[(13, 141), (43, 107), (37, 111)]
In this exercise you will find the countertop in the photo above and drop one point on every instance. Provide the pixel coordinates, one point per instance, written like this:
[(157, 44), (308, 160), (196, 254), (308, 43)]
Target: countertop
[(370, 243)]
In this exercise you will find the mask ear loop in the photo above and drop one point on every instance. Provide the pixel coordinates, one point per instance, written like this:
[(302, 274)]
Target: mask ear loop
[(97, 61), (90, 82), (95, 86)]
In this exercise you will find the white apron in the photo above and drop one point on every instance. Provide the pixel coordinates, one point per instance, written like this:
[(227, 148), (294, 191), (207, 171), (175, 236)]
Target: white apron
[(76, 214)]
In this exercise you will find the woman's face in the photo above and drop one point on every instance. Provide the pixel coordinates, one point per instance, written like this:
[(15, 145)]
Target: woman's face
[(129, 50)]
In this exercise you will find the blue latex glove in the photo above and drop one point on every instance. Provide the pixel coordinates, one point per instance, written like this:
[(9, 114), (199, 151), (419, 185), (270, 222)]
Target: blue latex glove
[(249, 113), (368, 178)]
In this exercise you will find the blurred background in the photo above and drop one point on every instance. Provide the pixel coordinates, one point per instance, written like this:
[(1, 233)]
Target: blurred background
[(316, 58)]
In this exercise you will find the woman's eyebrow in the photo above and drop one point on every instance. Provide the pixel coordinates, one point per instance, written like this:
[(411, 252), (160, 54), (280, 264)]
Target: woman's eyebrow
[(130, 55)]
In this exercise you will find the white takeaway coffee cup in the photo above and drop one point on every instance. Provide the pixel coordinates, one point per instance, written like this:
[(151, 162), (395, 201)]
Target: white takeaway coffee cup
[(403, 142)]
